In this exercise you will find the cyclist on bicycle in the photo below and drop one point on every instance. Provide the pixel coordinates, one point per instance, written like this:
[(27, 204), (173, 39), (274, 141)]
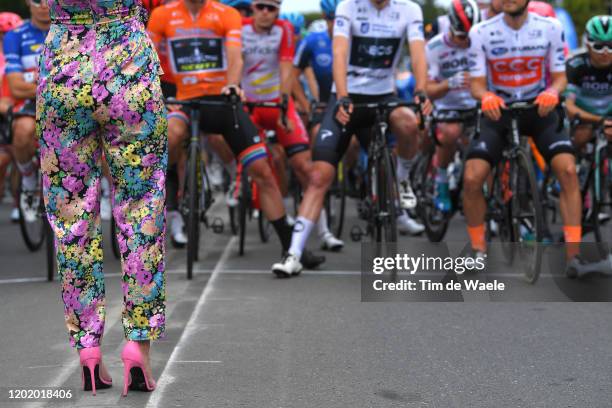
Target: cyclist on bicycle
[(267, 49), (448, 86), (243, 6), (204, 43), (589, 76), (509, 57), (22, 48), (8, 22), (368, 36)]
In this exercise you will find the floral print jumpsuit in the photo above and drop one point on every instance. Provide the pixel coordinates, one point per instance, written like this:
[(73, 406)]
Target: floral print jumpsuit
[(99, 91)]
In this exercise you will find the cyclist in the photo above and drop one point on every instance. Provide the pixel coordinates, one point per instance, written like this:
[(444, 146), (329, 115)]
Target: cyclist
[(488, 9), (368, 36), (267, 49), (204, 43), (22, 48), (448, 86), (243, 6), (589, 75), (509, 57), (8, 21)]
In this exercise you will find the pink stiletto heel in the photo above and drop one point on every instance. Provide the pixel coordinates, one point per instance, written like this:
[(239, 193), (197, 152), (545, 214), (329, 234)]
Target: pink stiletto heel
[(134, 377), (90, 363)]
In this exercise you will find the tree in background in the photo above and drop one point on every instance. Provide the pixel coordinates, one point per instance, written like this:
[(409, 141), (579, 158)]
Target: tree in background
[(582, 10)]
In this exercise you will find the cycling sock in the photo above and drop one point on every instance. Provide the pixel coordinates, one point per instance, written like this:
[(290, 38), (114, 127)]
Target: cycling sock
[(442, 176), (477, 237), (573, 236), (403, 168), (105, 187), (283, 230), (322, 226), (28, 175), (301, 231)]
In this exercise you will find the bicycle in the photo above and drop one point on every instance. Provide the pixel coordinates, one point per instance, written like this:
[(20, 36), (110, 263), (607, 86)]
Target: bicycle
[(35, 232), (595, 187), (196, 194), (514, 199), (379, 208), (436, 222)]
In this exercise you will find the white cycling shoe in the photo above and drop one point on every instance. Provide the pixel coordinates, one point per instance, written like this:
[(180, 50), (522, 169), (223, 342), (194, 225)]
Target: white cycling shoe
[(15, 215), (409, 226), (331, 243), (177, 233), (408, 200), (288, 266), (29, 202)]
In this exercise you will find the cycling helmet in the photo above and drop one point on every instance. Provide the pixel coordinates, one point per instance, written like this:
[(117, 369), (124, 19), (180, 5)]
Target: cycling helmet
[(463, 15), (328, 7), (296, 19), (599, 29), (9, 21), (237, 3), (541, 8)]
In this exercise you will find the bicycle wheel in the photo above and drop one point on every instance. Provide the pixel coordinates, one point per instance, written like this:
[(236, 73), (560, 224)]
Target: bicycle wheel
[(335, 202), (32, 231), (193, 217), (233, 217), (113, 237), (435, 221), (527, 215), (386, 225), (50, 249), (501, 210), (243, 208), (265, 227)]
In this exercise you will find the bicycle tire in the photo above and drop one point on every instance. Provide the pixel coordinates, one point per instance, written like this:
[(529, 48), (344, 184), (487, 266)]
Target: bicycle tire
[(243, 204), (113, 237), (50, 250), (233, 218), (264, 227), (33, 233), (527, 197), (193, 218), (435, 222), (335, 202), (502, 211)]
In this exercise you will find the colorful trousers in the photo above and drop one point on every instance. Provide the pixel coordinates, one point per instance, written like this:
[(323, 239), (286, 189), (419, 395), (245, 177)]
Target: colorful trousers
[(99, 93)]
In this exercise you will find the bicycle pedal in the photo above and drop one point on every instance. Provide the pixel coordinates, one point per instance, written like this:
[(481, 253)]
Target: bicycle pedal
[(356, 233), (218, 226)]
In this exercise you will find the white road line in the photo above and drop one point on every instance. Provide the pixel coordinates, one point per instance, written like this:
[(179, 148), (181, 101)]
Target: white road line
[(166, 378), (196, 361)]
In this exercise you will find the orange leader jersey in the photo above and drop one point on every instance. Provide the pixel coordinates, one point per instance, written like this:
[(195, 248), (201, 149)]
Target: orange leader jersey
[(195, 45)]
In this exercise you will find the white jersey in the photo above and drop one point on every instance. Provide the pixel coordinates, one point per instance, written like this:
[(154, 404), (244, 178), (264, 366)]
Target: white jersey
[(515, 62), (445, 60), (376, 39)]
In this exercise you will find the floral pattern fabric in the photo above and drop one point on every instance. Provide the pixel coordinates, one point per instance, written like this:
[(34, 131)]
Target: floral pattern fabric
[(99, 93)]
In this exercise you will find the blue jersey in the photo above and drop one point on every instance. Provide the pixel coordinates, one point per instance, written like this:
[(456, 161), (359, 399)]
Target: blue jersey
[(405, 86), (22, 48), (316, 50)]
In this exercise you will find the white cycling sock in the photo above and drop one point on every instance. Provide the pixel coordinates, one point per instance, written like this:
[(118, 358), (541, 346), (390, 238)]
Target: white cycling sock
[(322, 226), (404, 166), (105, 187), (301, 231)]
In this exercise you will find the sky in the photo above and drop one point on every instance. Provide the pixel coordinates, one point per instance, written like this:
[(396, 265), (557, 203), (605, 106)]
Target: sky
[(313, 5)]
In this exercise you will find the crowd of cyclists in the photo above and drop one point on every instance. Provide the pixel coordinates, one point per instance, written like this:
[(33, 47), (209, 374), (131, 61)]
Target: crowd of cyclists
[(482, 56)]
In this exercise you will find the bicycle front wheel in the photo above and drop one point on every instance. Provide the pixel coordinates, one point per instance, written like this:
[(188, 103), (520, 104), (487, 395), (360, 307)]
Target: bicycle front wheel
[(32, 227), (193, 216)]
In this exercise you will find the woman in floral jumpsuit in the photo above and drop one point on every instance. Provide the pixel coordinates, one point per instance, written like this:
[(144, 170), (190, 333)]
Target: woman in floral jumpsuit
[(99, 91)]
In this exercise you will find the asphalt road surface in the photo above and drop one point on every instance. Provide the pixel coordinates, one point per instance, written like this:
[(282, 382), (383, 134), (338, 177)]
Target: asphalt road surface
[(238, 337)]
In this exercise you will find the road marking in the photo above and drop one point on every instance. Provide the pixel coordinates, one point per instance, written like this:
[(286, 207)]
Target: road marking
[(196, 361), (166, 378)]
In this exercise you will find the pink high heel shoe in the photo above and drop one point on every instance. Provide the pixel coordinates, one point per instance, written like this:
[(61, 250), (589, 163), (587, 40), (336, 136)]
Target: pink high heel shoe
[(134, 376), (90, 362)]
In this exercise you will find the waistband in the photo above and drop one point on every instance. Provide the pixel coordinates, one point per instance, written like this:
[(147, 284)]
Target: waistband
[(91, 18)]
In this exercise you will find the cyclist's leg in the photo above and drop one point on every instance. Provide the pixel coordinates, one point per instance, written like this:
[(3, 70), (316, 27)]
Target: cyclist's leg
[(403, 123), (582, 134), (484, 153), (24, 145), (554, 144)]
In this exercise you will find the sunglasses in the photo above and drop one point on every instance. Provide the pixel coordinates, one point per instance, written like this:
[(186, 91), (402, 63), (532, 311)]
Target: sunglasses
[(268, 7), (600, 47)]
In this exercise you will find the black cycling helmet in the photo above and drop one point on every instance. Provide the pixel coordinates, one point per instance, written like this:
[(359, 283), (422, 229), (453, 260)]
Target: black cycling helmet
[(463, 15)]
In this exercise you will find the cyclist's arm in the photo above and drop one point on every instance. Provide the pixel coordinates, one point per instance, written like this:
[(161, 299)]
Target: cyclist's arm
[(340, 48), (559, 81), (436, 89), (478, 87), (155, 27), (298, 91), (19, 87), (234, 65), (311, 80), (419, 64), (286, 54), (573, 110), (478, 66), (232, 22)]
